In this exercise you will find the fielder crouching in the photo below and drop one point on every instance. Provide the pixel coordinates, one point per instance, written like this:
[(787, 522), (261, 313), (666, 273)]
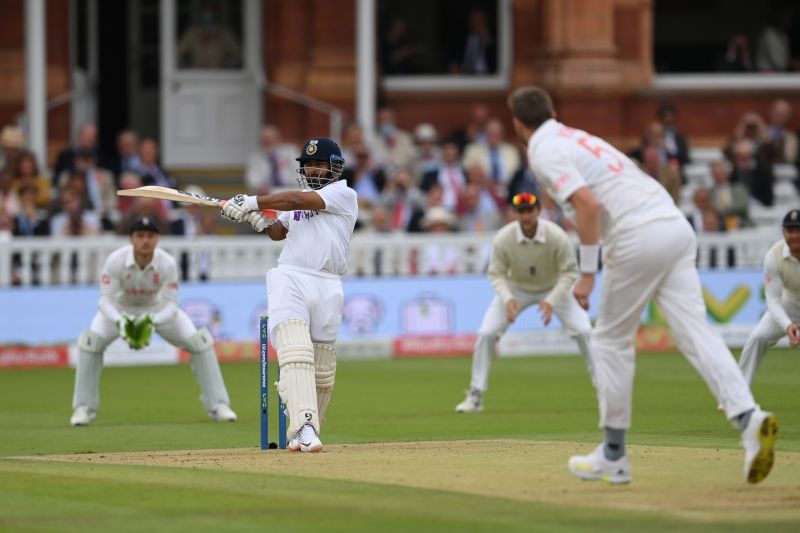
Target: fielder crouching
[(782, 291), (139, 294), (304, 292), (533, 262)]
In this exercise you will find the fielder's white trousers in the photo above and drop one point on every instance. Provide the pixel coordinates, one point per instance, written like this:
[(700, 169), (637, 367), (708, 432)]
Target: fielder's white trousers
[(763, 337), (495, 322), (178, 331), (657, 260)]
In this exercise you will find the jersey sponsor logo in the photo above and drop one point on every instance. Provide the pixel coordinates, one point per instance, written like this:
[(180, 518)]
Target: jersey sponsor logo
[(140, 292), (305, 215), (106, 279)]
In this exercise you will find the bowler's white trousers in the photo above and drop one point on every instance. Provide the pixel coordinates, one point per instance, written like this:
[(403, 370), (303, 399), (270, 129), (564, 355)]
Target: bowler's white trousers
[(657, 260)]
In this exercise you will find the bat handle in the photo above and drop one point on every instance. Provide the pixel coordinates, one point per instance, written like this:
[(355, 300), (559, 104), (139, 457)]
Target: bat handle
[(269, 213)]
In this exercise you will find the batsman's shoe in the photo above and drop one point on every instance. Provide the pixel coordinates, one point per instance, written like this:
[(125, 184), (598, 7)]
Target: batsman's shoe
[(223, 413), (595, 466), (473, 403), (758, 441), (306, 440), (82, 416)]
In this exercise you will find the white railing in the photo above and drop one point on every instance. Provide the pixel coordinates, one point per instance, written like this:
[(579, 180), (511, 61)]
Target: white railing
[(78, 260)]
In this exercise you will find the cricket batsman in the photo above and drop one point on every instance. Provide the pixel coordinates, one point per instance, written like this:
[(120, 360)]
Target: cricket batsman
[(304, 292), (139, 295), (782, 290)]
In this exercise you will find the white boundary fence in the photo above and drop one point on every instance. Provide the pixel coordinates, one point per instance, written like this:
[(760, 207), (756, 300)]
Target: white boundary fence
[(78, 260)]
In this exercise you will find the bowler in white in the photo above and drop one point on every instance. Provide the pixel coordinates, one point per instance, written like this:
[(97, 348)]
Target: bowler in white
[(649, 253)]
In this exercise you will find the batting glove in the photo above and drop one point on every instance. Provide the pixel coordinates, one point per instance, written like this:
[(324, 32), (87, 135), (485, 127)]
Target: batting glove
[(259, 221), (237, 208)]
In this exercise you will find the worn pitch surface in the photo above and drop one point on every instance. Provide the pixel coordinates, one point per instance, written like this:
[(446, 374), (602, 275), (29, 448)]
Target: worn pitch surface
[(691, 483)]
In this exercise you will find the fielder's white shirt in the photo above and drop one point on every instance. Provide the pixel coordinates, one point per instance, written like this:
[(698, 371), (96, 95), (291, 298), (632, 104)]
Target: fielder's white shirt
[(781, 280), (123, 285), (566, 159), (320, 239)]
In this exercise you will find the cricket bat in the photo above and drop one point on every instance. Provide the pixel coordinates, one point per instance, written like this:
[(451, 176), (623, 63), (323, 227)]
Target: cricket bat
[(165, 193)]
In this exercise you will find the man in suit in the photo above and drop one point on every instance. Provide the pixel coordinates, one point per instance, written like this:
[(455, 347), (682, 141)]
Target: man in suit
[(499, 159), (729, 199), (450, 176), (675, 143), (87, 142)]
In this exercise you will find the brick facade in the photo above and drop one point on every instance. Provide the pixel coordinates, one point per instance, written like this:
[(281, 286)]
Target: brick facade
[(595, 56)]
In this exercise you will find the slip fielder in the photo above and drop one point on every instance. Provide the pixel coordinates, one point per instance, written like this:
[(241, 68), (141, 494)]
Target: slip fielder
[(533, 262), (782, 289), (649, 252), (305, 295), (139, 294)]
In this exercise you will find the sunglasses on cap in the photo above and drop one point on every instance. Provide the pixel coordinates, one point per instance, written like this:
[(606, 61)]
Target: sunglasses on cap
[(523, 199)]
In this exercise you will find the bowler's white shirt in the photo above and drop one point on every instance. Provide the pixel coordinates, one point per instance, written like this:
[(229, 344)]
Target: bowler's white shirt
[(320, 239), (566, 159), (124, 285)]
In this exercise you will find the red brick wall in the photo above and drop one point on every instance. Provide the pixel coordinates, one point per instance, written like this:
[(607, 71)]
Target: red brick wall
[(12, 66)]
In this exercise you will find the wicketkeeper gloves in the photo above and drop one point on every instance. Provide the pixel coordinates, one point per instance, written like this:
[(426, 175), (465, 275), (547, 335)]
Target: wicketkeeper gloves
[(136, 332)]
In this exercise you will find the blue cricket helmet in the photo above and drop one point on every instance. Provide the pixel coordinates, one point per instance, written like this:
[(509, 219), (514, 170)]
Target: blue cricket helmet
[(320, 149)]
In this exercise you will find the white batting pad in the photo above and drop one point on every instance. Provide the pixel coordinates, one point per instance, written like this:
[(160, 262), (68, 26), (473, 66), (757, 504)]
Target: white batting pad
[(324, 375), (296, 358)]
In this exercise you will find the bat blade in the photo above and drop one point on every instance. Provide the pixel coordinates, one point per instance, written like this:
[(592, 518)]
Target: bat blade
[(165, 193)]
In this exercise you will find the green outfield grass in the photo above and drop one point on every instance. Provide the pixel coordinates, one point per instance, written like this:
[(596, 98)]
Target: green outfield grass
[(532, 399)]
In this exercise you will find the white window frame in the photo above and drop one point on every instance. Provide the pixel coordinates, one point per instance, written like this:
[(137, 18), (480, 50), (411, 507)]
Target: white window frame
[(500, 80), (726, 82)]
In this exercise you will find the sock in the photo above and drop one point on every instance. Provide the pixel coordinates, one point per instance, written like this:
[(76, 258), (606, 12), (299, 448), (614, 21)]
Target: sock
[(614, 444), (744, 418)]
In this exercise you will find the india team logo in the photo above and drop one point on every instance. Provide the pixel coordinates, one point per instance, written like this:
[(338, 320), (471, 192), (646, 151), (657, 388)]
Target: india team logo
[(312, 147)]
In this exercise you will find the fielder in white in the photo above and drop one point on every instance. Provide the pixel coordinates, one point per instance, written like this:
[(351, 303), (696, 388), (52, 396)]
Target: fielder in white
[(305, 290), (139, 293), (649, 252), (533, 262), (782, 288)]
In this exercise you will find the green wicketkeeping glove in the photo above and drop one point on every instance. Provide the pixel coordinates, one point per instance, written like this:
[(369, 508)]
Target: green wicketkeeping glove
[(126, 327), (141, 332), (146, 328)]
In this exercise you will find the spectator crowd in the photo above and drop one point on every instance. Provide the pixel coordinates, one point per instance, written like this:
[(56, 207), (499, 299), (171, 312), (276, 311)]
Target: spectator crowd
[(418, 181)]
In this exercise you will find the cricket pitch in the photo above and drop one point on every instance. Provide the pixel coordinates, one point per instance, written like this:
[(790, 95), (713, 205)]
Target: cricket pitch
[(699, 484)]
